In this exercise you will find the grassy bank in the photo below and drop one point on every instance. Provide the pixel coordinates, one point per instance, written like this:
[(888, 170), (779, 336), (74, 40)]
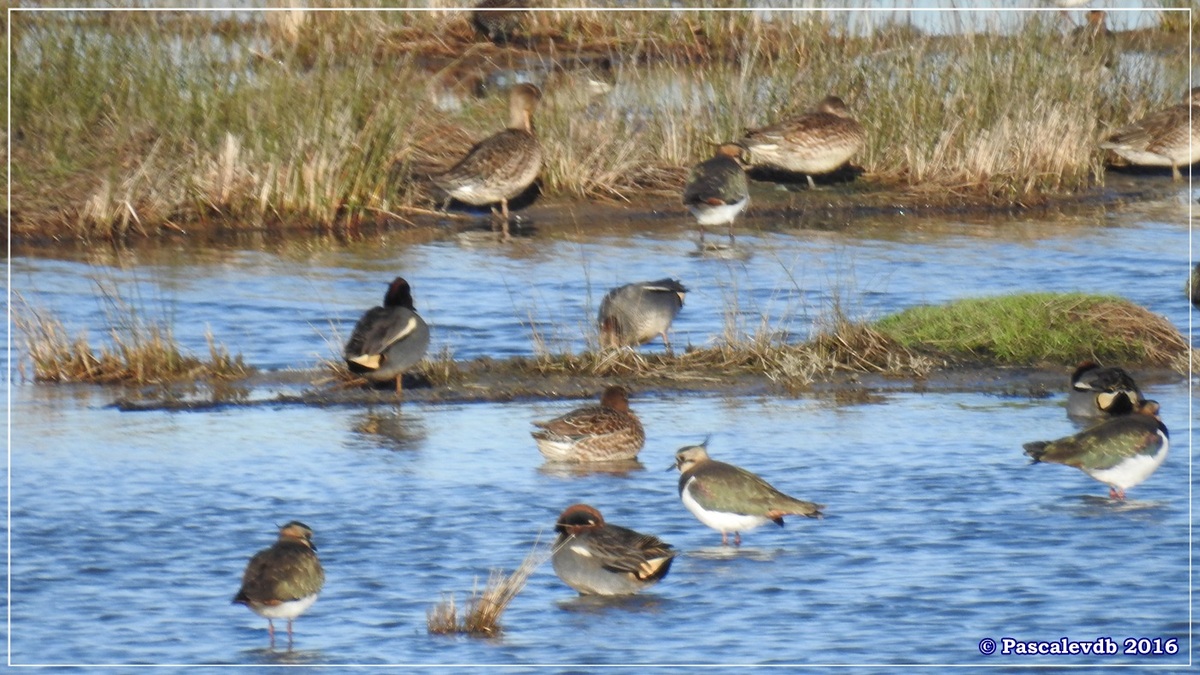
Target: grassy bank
[(132, 124)]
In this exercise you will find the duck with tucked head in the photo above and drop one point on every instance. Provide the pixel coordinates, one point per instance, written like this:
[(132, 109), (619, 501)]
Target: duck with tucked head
[(598, 558), (1102, 392), (817, 142), (637, 313), (1169, 137), (500, 166), (388, 340)]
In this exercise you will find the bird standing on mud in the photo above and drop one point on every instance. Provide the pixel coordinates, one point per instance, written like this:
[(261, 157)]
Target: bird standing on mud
[(1169, 137), (817, 142), (500, 166), (717, 189), (637, 313), (388, 340)]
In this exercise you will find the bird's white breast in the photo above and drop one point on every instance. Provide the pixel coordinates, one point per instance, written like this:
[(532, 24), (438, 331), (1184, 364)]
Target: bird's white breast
[(719, 520)]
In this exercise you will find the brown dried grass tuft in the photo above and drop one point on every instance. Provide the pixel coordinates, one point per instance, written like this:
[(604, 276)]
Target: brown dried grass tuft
[(482, 616), (137, 353)]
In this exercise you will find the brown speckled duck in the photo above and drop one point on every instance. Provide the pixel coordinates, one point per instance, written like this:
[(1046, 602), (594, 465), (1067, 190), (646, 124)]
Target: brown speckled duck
[(816, 142), (500, 20), (501, 166), (1163, 138), (607, 432), (598, 558)]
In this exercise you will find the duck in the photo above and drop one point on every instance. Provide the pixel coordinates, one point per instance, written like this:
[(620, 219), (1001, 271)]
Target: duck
[(817, 142), (636, 313), (500, 20), (717, 189), (1101, 392), (1121, 452), (502, 165), (608, 432), (283, 581), (728, 498), (388, 340), (598, 558), (1169, 137)]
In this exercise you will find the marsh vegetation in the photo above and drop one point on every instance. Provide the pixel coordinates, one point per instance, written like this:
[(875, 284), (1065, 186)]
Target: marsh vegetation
[(146, 123)]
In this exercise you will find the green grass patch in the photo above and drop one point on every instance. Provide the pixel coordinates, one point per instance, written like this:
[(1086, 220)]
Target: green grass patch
[(1034, 328)]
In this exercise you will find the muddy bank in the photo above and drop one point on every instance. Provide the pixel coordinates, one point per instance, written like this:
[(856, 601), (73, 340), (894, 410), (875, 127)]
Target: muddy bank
[(314, 388), (839, 202)]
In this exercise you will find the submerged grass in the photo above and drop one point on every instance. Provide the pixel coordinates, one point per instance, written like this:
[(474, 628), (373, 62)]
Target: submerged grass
[(139, 123)]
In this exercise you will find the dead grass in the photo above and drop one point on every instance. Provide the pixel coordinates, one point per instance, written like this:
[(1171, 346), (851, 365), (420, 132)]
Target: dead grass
[(134, 125), (484, 610), (136, 352)]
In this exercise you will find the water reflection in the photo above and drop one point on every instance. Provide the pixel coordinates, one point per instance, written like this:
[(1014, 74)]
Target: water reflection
[(393, 430), (618, 469)]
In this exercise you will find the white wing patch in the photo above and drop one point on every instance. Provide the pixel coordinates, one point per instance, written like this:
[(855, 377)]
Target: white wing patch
[(409, 327)]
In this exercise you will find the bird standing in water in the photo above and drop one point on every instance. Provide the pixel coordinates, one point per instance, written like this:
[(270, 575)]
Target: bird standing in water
[(282, 582)]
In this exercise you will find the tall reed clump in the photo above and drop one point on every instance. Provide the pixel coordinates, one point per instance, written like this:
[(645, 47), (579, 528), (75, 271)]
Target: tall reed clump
[(482, 615), (137, 351)]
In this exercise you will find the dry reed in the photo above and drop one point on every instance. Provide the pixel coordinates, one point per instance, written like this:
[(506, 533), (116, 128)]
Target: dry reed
[(483, 612)]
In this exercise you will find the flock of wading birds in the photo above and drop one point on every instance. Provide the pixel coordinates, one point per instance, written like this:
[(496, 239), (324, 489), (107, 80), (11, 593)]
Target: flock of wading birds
[(1124, 446)]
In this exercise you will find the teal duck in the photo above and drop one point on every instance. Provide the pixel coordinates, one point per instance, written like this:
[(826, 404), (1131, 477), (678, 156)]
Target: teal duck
[(1102, 392), (1169, 137), (501, 166), (717, 189), (608, 432), (598, 558), (817, 142), (637, 313), (1120, 452), (282, 582), (728, 498), (388, 340)]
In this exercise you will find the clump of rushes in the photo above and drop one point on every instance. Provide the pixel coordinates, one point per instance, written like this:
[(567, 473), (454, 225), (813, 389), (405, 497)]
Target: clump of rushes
[(136, 353), (1032, 328), (483, 612)]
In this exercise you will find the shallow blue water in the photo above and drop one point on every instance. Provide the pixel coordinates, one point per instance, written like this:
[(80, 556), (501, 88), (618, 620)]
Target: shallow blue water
[(130, 530)]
